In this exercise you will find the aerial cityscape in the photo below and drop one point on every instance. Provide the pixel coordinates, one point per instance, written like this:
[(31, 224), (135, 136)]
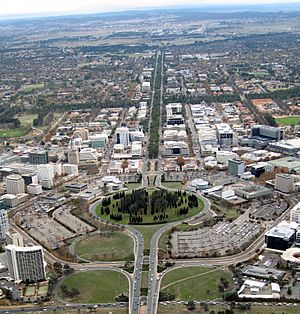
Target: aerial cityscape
[(150, 159)]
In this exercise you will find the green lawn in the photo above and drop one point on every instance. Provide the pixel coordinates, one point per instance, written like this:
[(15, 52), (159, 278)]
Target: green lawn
[(173, 185), (98, 286), (203, 284), (30, 290), (27, 120), (181, 309), (107, 247), (10, 133), (133, 185), (147, 232), (31, 87), (70, 310), (171, 212), (289, 120)]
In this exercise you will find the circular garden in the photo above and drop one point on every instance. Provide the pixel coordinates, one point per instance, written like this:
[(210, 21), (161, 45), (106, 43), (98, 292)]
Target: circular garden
[(149, 207)]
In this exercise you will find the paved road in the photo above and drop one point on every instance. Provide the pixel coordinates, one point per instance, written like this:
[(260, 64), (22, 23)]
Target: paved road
[(153, 279)]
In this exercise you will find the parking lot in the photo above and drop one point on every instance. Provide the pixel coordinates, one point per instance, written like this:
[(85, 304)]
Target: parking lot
[(222, 239), (268, 209), (48, 231), (64, 216)]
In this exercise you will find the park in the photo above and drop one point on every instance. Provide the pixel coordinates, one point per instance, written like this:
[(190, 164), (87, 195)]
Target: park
[(156, 206)]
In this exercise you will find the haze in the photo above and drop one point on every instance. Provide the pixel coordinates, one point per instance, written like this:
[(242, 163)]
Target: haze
[(27, 7)]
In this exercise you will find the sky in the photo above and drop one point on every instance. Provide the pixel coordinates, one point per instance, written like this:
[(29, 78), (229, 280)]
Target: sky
[(31, 7)]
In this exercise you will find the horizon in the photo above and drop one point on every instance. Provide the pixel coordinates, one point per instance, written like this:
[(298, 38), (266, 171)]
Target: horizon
[(49, 8)]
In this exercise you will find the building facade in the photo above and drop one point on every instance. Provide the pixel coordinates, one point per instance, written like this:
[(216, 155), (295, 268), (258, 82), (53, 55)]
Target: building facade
[(25, 264)]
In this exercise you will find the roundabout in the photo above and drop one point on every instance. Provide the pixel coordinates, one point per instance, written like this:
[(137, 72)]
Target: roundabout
[(149, 206)]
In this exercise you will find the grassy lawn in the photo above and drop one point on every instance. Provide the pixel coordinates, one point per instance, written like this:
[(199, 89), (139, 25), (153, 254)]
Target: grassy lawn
[(114, 246), (173, 185), (195, 283), (10, 133), (70, 310), (170, 212), (145, 279), (31, 87), (133, 185), (27, 120), (99, 286), (180, 309), (147, 232), (284, 121)]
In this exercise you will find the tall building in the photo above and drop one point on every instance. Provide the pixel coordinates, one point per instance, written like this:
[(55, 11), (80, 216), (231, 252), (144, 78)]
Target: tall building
[(73, 156), (37, 157), (295, 214), (224, 134), (3, 223), (123, 136), (267, 132), (15, 184), (284, 183), (236, 167), (25, 264)]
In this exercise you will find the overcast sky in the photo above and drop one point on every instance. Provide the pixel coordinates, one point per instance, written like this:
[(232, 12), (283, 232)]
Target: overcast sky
[(24, 7)]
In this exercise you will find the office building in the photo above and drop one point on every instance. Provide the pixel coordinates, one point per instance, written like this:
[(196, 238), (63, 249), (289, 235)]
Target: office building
[(15, 184), (30, 178), (146, 87), (45, 172), (73, 156), (3, 224), (284, 183), (70, 169), (34, 189), (37, 157), (262, 136), (14, 238), (281, 237), (123, 136), (25, 264), (224, 134), (295, 214), (266, 132), (236, 167), (173, 109), (99, 140)]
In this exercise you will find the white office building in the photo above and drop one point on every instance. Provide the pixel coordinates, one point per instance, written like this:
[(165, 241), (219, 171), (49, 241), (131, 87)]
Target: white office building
[(25, 264), (295, 214), (284, 183), (224, 133), (123, 136), (3, 223), (15, 184), (45, 172), (70, 169)]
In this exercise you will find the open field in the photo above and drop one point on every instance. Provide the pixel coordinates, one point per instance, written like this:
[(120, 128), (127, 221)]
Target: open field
[(181, 309), (147, 232), (97, 286), (27, 120), (115, 246), (195, 283), (289, 120), (10, 133), (70, 310), (32, 87), (173, 185), (133, 185)]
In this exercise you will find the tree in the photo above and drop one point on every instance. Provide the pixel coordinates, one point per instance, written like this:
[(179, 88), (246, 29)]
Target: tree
[(191, 305), (289, 290), (180, 162)]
